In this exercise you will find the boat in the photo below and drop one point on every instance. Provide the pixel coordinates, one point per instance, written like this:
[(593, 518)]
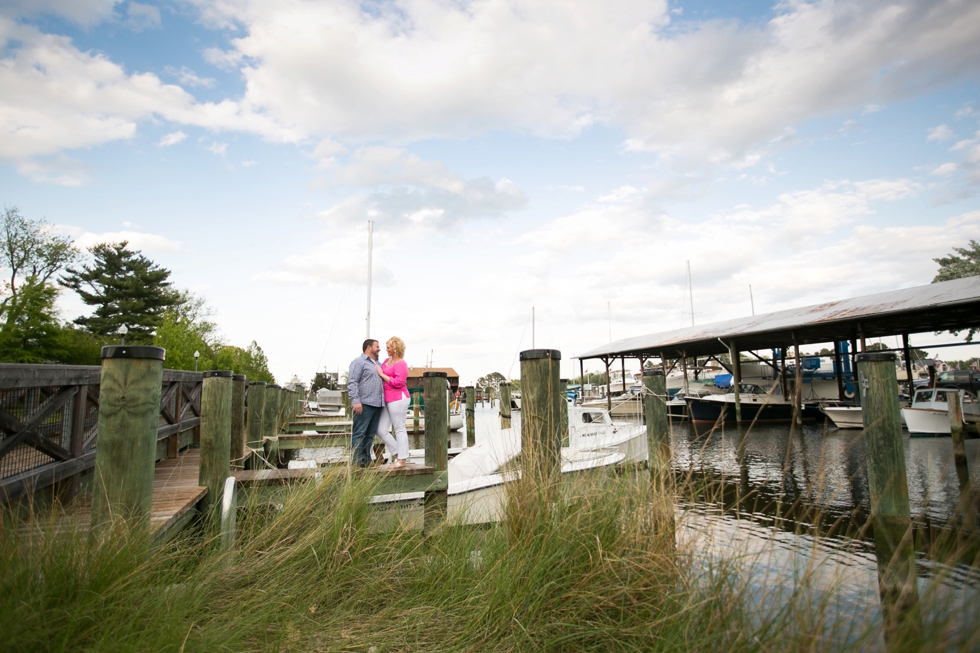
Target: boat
[(456, 421), (329, 403), (757, 405), (478, 473), (929, 413), (515, 400), (844, 417)]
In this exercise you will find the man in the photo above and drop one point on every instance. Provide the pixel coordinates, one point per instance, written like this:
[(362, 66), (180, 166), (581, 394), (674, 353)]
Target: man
[(367, 401)]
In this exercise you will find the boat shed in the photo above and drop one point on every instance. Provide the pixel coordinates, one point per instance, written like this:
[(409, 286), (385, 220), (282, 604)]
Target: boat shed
[(947, 305), (944, 306)]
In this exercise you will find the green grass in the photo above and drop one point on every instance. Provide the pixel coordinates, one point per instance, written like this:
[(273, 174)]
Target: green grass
[(595, 569)]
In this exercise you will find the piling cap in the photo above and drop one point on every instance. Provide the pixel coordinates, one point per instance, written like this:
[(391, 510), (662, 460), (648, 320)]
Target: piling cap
[(274, 386), (876, 357), (535, 354), (134, 351), (261, 383), (562, 380), (239, 377), (503, 383), (219, 373), (439, 375), (653, 372)]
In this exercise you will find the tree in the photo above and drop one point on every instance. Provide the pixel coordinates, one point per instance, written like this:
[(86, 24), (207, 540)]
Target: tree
[(488, 384), (252, 362), (126, 288), (186, 327), (30, 252), (323, 380), (967, 264)]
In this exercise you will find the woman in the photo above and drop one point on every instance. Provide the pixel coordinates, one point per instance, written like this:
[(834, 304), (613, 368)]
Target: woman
[(394, 373)]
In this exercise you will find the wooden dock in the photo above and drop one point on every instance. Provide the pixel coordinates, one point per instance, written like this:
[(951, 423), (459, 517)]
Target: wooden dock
[(176, 494)]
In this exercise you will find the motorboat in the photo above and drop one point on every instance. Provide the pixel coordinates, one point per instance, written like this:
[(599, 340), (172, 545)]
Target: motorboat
[(515, 400), (844, 417), (477, 474), (929, 413), (456, 421), (329, 403), (757, 405)]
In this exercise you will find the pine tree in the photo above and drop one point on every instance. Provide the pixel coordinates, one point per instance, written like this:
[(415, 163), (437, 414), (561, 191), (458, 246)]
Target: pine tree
[(967, 264), (126, 288)]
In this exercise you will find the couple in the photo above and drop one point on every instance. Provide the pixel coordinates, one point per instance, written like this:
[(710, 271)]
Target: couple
[(379, 399)]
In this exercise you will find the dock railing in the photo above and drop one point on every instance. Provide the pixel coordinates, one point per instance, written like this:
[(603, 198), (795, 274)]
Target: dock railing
[(49, 416)]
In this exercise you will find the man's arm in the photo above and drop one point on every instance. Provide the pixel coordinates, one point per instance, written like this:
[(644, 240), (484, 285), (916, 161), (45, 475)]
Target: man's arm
[(353, 379)]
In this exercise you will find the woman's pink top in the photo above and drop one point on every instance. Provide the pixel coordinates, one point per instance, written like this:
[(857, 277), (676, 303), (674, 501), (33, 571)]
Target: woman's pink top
[(395, 389)]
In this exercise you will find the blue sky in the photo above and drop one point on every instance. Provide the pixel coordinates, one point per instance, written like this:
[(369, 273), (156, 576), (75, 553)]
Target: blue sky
[(570, 156)]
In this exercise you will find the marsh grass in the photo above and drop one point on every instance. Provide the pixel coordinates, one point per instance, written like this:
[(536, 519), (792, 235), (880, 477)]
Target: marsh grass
[(596, 569)]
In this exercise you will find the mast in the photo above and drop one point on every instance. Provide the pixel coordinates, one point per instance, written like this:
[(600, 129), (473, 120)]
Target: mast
[(751, 300), (690, 291), (367, 333)]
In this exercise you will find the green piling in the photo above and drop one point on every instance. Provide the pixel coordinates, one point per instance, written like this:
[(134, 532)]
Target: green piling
[(890, 513), (129, 413), (435, 391), (541, 408), (237, 451), (563, 414), (504, 390), (470, 392), (216, 410)]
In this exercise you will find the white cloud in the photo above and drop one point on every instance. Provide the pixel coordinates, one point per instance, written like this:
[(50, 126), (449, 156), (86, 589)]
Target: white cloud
[(82, 12), (224, 59), (138, 240), (872, 108), (172, 139), (140, 17), (60, 170), (940, 133), (621, 194), (218, 148), (944, 169), (962, 145), (713, 90), (188, 77), (249, 163)]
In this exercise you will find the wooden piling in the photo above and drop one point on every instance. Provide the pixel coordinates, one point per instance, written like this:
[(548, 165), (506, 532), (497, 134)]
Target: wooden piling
[(504, 392), (256, 414), (237, 452), (129, 412), (563, 424), (541, 408), (797, 383), (956, 434), (216, 402), (659, 455), (888, 486), (470, 392), (736, 379), (416, 400), (435, 390)]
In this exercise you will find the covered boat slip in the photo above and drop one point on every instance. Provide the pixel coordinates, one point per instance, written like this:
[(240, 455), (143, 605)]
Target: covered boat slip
[(945, 306)]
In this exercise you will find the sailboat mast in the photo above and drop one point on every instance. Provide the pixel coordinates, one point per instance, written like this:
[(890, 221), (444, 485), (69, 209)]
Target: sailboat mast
[(690, 291), (367, 333), (751, 299)]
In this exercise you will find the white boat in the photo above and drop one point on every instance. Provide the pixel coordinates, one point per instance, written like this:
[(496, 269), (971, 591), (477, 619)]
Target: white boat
[(844, 417), (929, 412), (477, 475), (328, 402), (515, 400), (456, 422)]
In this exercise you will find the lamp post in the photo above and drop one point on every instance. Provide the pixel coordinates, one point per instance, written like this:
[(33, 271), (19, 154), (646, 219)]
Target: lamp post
[(122, 331), (197, 355)]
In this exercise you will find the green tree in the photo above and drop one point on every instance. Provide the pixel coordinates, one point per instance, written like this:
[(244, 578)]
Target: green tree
[(126, 288), (967, 264), (30, 252), (187, 327), (30, 331), (488, 384), (322, 380), (252, 362)]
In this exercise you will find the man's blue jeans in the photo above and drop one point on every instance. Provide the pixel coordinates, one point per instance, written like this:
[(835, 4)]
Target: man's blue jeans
[(363, 432)]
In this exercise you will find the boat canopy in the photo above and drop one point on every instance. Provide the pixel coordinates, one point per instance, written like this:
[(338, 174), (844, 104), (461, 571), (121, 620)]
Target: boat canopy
[(944, 306)]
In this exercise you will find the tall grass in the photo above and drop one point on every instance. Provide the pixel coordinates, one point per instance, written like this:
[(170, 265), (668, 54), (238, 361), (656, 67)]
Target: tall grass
[(597, 569)]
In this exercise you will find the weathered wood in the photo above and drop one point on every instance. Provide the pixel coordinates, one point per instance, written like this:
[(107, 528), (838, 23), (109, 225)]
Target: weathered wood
[(18, 485), (504, 391), (27, 430), (890, 514), (15, 375), (797, 383), (77, 438), (659, 455), (237, 420), (256, 414), (956, 434), (416, 400), (470, 415), (215, 435), (541, 407), (563, 424), (435, 391), (130, 387), (269, 421), (173, 429), (736, 379)]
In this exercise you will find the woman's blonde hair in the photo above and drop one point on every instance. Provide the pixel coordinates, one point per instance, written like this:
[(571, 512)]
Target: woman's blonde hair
[(397, 346)]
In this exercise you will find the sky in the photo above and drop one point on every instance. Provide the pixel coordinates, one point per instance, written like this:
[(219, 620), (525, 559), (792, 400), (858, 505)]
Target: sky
[(567, 156)]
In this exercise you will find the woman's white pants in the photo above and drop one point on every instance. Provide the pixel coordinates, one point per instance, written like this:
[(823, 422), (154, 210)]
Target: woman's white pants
[(395, 414)]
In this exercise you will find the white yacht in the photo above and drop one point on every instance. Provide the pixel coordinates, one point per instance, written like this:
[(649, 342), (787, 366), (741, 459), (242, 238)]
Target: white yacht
[(929, 412)]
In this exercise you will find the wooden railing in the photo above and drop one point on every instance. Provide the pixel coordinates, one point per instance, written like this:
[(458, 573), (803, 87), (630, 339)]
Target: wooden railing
[(49, 418)]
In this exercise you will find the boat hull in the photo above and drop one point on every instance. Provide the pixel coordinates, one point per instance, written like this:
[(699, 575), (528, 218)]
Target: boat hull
[(845, 417), (703, 411), (926, 422)]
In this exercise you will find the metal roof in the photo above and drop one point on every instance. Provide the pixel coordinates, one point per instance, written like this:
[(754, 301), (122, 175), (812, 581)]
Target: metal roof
[(936, 307)]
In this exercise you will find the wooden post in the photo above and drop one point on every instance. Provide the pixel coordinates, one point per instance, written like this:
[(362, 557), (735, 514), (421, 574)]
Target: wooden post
[(504, 390), (854, 372), (782, 371), (563, 423), (129, 412), (256, 413), (173, 442), (78, 414), (890, 514), (908, 364), (838, 371), (216, 402), (659, 454), (270, 431), (736, 379), (608, 389), (581, 382), (956, 433), (541, 416), (416, 396), (237, 450), (345, 397), (470, 415), (435, 390), (797, 383), (684, 371)]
